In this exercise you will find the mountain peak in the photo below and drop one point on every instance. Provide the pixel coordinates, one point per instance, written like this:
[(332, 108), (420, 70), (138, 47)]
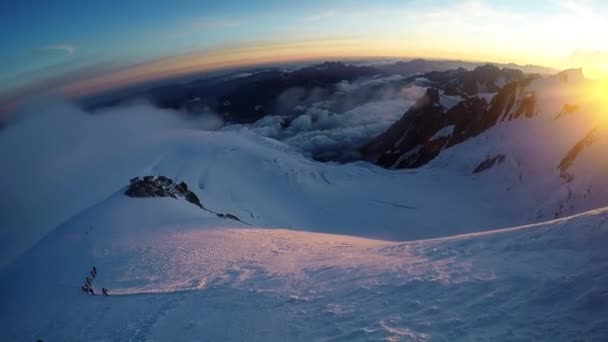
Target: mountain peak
[(571, 75), (330, 64), (430, 98)]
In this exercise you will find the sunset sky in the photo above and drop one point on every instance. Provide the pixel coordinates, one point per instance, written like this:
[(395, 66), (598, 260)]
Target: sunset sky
[(79, 47)]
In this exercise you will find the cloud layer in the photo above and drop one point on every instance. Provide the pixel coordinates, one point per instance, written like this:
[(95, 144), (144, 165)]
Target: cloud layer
[(67, 49), (325, 132)]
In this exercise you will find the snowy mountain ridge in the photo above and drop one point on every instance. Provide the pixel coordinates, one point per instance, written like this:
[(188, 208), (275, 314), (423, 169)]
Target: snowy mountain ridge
[(539, 127)]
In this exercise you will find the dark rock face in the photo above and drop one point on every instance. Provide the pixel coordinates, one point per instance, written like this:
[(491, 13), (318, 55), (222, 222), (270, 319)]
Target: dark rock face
[(470, 117), (574, 152), (571, 75), (152, 186), (410, 142), (567, 110), (413, 130), (229, 216), (488, 163), (413, 141)]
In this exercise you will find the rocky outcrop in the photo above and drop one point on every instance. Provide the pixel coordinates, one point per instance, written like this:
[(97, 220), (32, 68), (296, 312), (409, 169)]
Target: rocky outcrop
[(413, 130), (573, 153), (488, 163), (161, 186), (571, 75), (567, 110)]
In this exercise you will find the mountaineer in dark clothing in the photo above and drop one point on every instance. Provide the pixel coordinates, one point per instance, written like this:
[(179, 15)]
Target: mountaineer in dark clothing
[(94, 271), (86, 288), (104, 291)]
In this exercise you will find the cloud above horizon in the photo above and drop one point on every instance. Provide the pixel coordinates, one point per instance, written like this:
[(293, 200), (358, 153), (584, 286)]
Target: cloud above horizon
[(320, 16), (66, 48)]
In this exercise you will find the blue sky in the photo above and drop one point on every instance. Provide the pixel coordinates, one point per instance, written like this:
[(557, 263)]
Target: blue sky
[(57, 43)]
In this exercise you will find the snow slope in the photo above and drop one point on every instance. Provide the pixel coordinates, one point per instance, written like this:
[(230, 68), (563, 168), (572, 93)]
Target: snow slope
[(177, 273), (260, 180)]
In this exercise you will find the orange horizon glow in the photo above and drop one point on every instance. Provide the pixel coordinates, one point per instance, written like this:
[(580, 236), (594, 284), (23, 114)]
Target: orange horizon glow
[(597, 98), (247, 55), (303, 51), (275, 53)]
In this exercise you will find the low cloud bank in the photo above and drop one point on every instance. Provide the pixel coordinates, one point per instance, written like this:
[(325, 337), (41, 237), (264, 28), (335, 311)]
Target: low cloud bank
[(336, 126)]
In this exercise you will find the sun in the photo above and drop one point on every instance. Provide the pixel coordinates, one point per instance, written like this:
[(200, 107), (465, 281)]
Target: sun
[(597, 99), (595, 70), (599, 92)]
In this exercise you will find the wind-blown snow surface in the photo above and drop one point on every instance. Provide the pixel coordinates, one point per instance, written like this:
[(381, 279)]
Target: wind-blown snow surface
[(176, 272)]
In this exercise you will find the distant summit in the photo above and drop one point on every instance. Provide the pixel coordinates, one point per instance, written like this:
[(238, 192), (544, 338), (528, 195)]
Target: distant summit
[(245, 96), (483, 79), (571, 75)]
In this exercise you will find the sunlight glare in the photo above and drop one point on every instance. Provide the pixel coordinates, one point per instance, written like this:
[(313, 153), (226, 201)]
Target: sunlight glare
[(597, 93)]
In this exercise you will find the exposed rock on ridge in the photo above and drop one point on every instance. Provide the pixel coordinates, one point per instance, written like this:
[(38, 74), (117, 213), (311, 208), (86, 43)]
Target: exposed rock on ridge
[(161, 186)]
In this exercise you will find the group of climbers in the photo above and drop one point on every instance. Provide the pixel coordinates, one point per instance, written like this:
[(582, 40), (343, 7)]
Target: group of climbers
[(87, 287)]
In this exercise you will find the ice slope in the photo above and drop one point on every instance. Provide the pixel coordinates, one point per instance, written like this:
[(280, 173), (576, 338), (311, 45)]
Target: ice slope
[(178, 273)]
